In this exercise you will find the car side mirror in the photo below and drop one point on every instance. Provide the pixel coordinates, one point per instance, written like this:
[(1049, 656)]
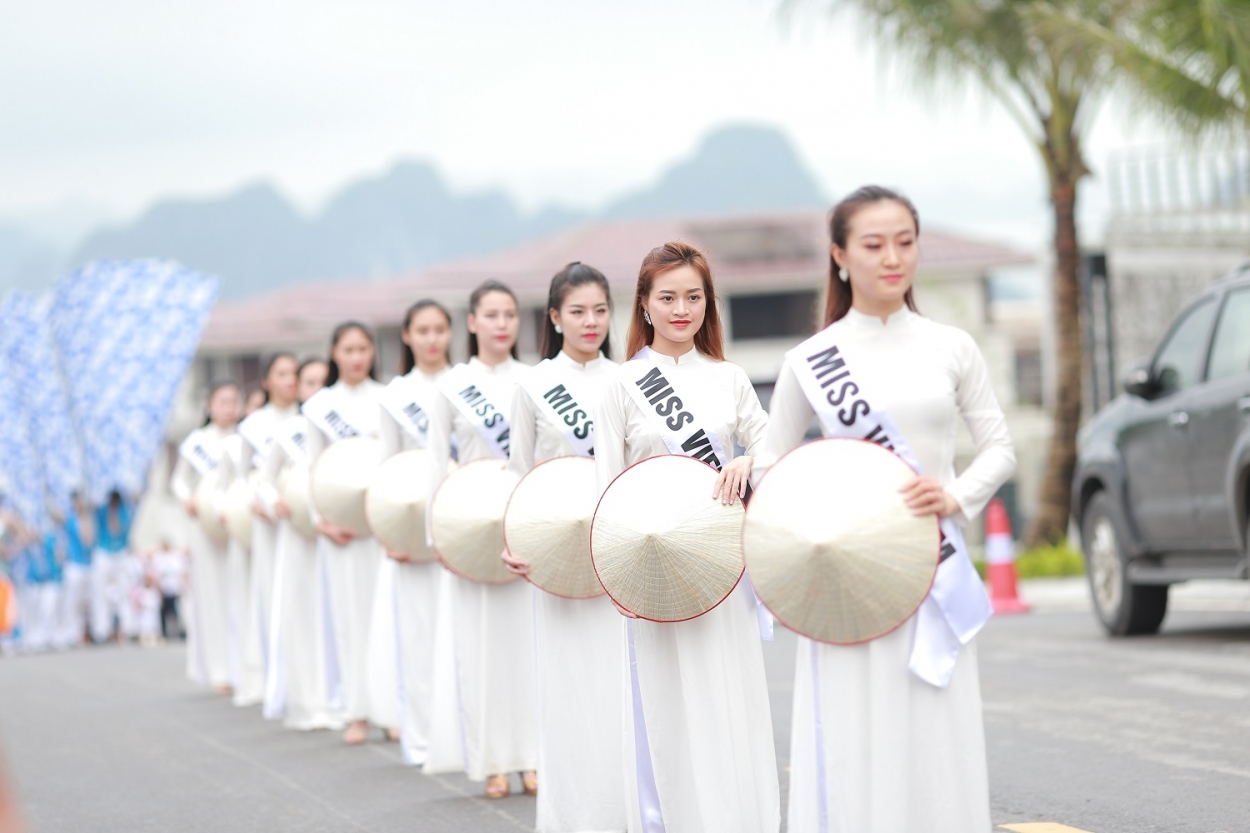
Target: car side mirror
[(1140, 382)]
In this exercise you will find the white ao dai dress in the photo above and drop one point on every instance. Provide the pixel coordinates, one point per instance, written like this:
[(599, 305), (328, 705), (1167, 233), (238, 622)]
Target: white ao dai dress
[(209, 626), (301, 650), (581, 664), (352, 569), (485, 693), (415, 603), (256, 435), (699, 734), (874, 749)]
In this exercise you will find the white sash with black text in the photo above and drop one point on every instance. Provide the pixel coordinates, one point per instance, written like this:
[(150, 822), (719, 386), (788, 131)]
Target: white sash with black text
[(479, 399), (323, 412), (560, 401), (654, 394), (199, 454), (402, 400), (257, 431), (956, 607), (292, 435)]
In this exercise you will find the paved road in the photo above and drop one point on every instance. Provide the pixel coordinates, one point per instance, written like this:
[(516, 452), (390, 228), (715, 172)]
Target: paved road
[(1105, 736)]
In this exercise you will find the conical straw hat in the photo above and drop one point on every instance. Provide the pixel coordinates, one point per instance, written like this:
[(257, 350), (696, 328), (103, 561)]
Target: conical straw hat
[(467, 517), (208, 503), (294, 487), (341, 476), (548, 525), (664, 549), (239, 516), (831, 547), (395, 503)]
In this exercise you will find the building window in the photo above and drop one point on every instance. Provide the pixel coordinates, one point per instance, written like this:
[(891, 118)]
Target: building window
[(775, 315), (1029, 376)]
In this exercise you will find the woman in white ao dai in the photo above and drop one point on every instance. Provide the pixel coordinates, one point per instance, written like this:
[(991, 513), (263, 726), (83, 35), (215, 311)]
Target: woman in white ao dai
[(580, 662), (699, 738), (875, 748), (209, 625), (485, 709), (351, 561), (426, 336), (297, 687)]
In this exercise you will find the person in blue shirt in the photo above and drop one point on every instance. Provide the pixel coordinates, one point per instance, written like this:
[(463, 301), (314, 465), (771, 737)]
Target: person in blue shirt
[(108, 567), (45, 632), (79, 537)]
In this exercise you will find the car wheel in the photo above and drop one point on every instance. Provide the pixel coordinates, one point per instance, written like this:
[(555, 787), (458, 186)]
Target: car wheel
[(1123, 608)]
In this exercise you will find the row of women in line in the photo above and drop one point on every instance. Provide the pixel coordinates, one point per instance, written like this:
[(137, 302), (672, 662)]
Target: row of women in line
[(627, 724)]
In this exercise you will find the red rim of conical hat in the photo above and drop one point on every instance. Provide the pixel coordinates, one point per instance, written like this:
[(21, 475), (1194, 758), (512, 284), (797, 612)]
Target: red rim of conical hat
[(832, 549), (466, 520), (662, 547), (340, 478), (547, 523), (395, 503), (207, 499)]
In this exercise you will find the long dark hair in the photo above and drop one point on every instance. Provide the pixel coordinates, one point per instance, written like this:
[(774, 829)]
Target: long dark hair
[(484, 289), (269, 363), (212, 391), (710, 340), (407, 360), (307, 363), (332, 368), (841, 296), (567, 279)]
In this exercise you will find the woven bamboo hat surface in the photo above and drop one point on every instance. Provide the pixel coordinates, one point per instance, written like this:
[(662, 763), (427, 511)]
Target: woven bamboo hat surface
[(467, 521), (208, 504), (831, 547), (395, 503), (239, 516), (294, 488), (663, 548), (340, 478), (548, 524)]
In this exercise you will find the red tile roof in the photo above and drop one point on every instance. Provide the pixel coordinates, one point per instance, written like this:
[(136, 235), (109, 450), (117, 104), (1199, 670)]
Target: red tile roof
[(746, 251)]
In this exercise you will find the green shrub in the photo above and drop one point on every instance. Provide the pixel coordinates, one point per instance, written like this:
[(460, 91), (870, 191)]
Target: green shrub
[(1050, 561)]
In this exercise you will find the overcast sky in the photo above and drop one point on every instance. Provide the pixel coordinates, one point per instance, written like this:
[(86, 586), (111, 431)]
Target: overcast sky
[(111, 105)]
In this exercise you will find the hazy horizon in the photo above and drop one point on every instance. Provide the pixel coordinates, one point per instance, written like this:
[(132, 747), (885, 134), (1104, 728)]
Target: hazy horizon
[(556, 103)]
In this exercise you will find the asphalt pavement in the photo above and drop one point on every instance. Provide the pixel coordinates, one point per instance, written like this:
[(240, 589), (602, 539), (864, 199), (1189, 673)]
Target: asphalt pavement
[(1098, 735)]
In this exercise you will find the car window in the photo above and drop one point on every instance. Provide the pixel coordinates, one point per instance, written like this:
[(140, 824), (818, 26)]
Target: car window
[(1180, 361), (1230, 352)]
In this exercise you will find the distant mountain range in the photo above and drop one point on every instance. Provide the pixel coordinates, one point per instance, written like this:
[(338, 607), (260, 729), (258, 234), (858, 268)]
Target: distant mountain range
[(407, 218)]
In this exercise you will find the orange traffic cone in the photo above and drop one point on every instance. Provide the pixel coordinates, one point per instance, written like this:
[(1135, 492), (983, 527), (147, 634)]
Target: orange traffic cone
[(1000, 557)]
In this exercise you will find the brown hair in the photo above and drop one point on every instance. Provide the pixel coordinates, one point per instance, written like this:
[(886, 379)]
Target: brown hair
[(710, 339), (475, 300), (841, 296)]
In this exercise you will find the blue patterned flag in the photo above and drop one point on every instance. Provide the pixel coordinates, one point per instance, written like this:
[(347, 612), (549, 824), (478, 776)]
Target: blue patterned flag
[(29, 350), (21, 470), (126, 332)]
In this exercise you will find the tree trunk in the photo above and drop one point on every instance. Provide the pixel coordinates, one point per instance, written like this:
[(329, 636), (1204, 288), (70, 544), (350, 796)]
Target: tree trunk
[(1050, 523)]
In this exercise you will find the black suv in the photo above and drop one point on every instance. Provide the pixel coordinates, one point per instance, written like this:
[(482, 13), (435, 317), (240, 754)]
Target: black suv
[(1160, 492)]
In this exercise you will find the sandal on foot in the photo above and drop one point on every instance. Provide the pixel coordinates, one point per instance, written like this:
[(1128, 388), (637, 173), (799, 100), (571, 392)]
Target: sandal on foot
[(357, 732), (498, 786), (529, 780)]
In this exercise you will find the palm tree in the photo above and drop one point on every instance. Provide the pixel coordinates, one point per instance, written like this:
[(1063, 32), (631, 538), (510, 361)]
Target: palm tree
[(1049, 63), (1185, 60)]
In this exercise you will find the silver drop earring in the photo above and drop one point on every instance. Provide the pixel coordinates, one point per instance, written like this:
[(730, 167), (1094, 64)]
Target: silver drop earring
[(844, 275), (559, 329), (646, 317)]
